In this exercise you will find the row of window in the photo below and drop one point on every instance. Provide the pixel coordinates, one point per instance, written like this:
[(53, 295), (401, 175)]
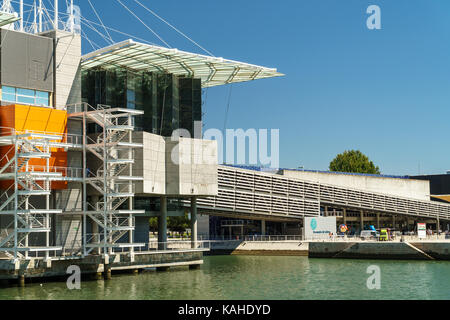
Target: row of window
[(27, 96)]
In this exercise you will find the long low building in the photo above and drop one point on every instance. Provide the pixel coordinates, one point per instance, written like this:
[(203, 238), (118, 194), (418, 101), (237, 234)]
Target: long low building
[(290, 195)]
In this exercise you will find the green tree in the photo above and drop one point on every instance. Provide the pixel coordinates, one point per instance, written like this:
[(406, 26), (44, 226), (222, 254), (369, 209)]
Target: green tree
[(175, 224), (178, 224), (153, 222), (353, 161)]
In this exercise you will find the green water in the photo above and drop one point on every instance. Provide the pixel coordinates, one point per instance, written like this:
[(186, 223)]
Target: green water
[(247, 277)]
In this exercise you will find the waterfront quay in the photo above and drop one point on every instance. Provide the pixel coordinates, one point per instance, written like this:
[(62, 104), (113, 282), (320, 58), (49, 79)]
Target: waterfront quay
[(405, 248), (160, 256)]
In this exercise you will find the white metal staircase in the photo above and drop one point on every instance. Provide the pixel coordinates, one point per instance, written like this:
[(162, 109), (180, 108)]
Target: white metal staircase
[(22, 200), (112, 180)]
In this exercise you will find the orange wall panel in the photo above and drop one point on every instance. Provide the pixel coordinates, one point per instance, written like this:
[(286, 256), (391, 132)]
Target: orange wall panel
[(23, 118)]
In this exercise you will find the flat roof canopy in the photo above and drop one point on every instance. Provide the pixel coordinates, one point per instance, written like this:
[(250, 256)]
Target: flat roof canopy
[(143, 57), (7, 18)]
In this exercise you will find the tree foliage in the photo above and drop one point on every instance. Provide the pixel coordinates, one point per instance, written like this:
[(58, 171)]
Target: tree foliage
[(353, 161), (179, 224), (175, 224)]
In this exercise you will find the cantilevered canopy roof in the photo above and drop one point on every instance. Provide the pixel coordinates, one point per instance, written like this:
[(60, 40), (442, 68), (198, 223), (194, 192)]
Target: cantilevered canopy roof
[(7, 18), (143, 57)]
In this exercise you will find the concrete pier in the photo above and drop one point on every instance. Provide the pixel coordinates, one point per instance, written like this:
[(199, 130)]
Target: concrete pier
[(262, 248), (95, 266), (380, 250), (107, 274)]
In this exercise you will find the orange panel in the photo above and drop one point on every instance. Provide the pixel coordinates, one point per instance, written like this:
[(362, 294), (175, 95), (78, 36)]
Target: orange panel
[(37, 119)]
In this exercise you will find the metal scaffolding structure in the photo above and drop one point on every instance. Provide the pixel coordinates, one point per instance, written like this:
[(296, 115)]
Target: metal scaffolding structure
[(26, 200), (110, 175)]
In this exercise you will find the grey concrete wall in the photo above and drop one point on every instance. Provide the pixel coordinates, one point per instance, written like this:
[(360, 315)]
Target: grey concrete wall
[(409, 188), (184, 168), (67, 67), (71, 199), (191, 167), (437, 250), (68, 231), (365, 250), (150, 163), (26, 61)]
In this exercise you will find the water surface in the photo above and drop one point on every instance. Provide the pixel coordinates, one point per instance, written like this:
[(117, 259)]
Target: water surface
[(249, 277)]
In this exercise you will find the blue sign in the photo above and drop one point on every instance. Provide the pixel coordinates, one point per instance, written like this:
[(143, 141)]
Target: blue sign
[(313, 224)]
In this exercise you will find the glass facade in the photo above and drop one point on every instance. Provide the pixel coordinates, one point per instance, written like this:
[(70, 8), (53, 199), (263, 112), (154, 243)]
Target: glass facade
[(169, 102), (26, 96)]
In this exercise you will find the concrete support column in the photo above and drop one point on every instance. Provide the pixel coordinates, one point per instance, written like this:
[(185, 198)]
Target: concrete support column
[(378, 220), (108, 274), (21, 280), (263, 227), (194, 224), (162, 225), (362, 220), (345, 215), (326, 211), (438, 226)]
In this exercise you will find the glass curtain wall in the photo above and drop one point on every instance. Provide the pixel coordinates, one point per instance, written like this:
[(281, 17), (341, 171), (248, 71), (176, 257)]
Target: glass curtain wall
[(169, 102)]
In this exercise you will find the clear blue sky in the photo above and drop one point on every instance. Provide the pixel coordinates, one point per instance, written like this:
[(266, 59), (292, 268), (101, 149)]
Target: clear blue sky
[(385, 92)]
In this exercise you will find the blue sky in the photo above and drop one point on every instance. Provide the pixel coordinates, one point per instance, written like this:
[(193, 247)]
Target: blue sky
[(385, 92)]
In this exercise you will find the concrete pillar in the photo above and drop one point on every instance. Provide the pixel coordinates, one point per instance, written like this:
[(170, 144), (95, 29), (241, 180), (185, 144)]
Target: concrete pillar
[(194, 230), (438, 225), (98, 276), (326, 211), (378, 221), (393, 222), (162, 225), (362, 220), (107, 274), (345, 215), (263, 227), (21, 280)]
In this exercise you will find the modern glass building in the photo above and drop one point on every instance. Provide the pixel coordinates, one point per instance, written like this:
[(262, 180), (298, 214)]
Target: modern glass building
[(169, 102)]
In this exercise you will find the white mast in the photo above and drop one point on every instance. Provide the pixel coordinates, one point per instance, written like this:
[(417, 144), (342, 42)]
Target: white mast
[(21, 15), (72, 22), (35, 19), (56, 15), (40, 15)]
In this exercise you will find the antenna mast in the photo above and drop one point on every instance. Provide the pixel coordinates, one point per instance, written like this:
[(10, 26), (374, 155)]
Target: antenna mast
[(56, 15), (40, 15), (21, 15)]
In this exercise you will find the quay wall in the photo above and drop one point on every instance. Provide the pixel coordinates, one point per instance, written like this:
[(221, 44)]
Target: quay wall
[(380, 250), (272, 248), (38, 268)]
